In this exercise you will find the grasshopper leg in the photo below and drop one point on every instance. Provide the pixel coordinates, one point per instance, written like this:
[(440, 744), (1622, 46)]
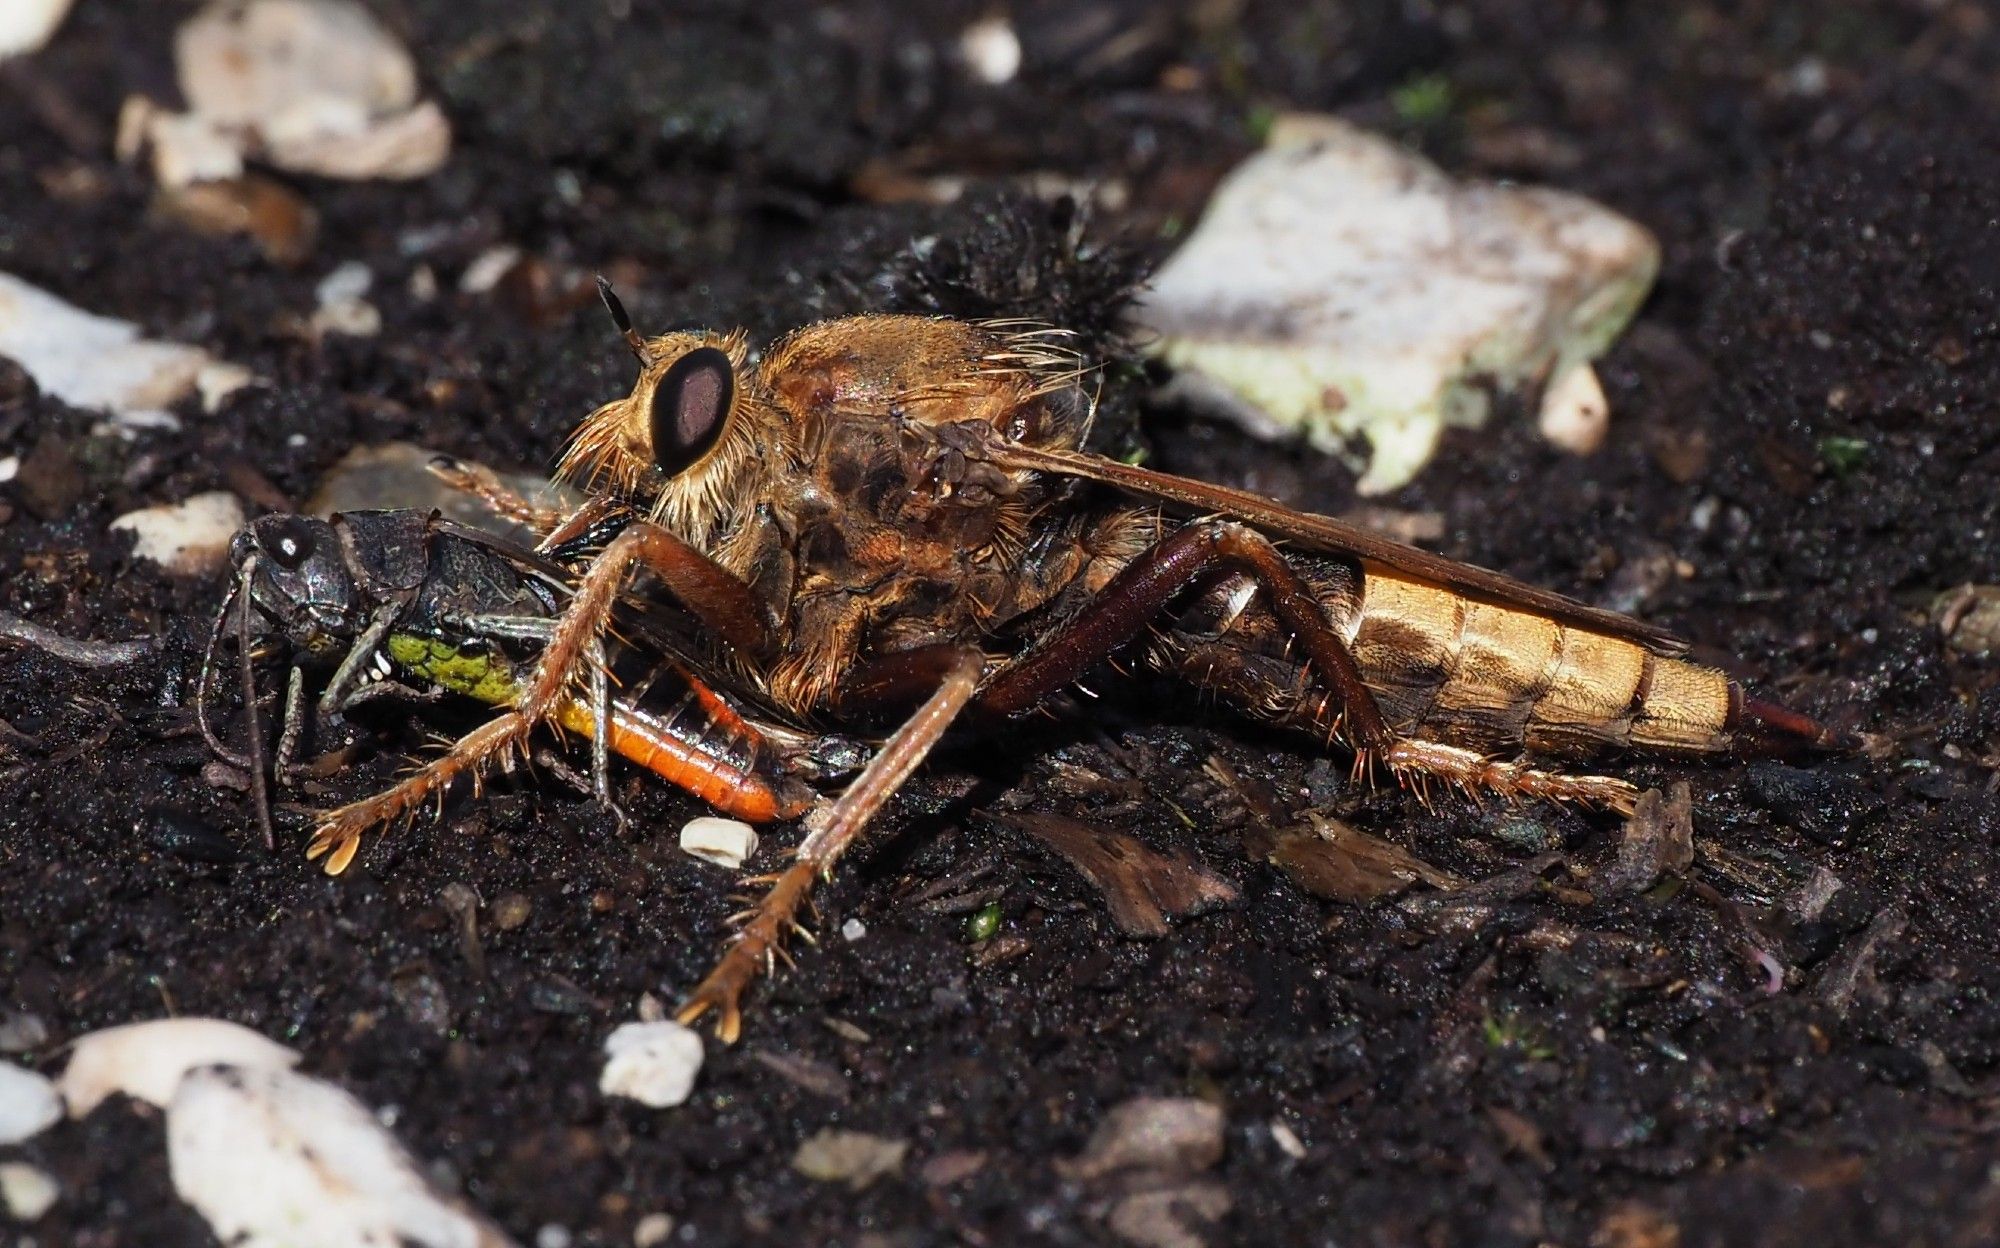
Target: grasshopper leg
[(830, 829)]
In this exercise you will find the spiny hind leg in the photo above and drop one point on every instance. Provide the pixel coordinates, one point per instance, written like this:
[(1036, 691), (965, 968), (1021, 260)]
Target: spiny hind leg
[(830, 829), (1288, 696), (338, 836), (1414, 763)]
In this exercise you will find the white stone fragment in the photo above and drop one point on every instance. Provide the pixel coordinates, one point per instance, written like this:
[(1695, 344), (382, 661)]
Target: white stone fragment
[(725, 842), (1345, 288), (94, 361), (1575, 414), (400, 148), (487, 268), (26, 25), (652, 1063), (145, 1061), (652, 1230), (856, 1158), (187, 538), (312, 86), (853, 930), (27, 1192), (28, 1104), (189, 148), (1287, 1140), (275, 1159), (217, 380), (10, 467), (348, 280), (342, 308), (991, 50)]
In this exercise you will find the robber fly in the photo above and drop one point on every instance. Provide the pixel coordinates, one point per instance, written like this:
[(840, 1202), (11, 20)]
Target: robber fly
[(891, 520), (408, 604)]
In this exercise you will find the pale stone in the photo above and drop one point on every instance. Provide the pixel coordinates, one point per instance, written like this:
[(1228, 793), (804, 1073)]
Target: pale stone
[(275, 1159), (145, 1061), (725, 842), (1344, 288), (187, 538), (652, 1063)]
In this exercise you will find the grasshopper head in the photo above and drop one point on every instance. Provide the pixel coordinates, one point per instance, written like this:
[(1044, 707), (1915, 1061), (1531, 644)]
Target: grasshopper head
[(294, 571)]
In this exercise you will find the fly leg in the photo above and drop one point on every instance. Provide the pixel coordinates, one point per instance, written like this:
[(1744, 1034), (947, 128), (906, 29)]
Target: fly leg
[(720, 601), (338, 837), (501, 499), (830, 829), (1144, 587)]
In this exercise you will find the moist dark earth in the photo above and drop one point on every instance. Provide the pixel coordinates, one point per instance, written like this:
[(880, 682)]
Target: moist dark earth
[(1796, 1041)]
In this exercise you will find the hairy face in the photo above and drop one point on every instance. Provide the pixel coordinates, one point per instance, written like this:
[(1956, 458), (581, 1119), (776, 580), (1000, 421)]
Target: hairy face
[(676, 446)]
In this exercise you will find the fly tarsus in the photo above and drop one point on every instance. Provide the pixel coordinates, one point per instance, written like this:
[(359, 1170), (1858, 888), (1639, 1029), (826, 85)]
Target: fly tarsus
[(501, 499), (830, 829), (1414, 763), (338, 837)]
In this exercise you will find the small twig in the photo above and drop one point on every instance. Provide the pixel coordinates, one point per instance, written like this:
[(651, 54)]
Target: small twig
[(69, 649)]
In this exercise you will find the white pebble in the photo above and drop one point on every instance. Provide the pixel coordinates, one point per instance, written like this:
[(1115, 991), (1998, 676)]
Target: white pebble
[(724, 842), (349, 109), (28, 1104), (26, 25), (187, 538), (1287, 1140), (348, 280), (26, 1191), (91, 361), (853, 930), (652, 1230), (552, 1235), (275, 1159), (10, 467), (487, 268), (145, 1061), (991, 50), (1575, 414), (1344, 288), (188, 149), (652, 1063), (217, 380), (342, 309)]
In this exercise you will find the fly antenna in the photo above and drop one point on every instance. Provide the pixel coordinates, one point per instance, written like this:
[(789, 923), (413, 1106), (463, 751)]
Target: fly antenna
[(621, 319)]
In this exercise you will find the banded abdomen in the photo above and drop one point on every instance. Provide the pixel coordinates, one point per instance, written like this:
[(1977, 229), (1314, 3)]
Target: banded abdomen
[(1444, 667)]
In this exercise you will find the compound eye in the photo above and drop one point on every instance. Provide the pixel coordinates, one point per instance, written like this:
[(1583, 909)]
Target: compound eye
[(290, 543), (690, 407)]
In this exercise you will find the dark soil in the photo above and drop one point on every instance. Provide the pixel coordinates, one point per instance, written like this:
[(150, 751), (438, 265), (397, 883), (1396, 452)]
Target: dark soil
[(1804, 419)]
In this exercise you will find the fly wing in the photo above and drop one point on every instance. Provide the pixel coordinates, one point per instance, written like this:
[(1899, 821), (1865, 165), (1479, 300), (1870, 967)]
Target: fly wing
[(1325, 534)]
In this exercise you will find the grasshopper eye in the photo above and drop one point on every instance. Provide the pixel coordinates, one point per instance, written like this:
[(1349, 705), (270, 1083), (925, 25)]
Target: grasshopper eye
[(289, 544), (690, 407)]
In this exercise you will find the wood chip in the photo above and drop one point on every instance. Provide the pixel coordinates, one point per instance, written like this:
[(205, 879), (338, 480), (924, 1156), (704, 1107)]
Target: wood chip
[(1332, 859), (1143, 887)]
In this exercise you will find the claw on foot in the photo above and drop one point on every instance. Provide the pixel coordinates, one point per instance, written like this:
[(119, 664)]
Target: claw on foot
[(723, 992), (338, 845)]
